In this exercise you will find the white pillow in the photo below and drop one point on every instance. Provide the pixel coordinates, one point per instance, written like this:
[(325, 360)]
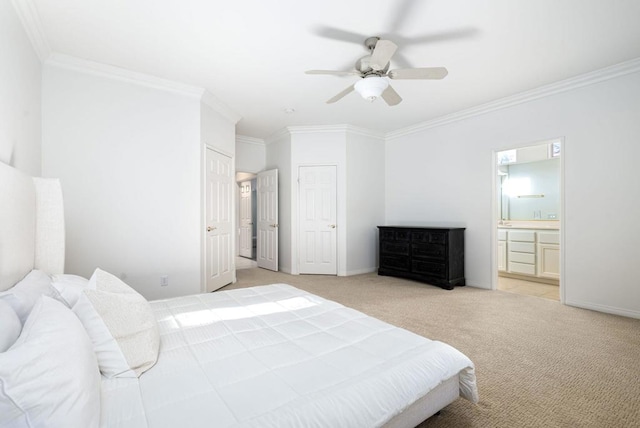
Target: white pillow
[(23, 296), (69, 287), (50, 376), (120, 324), (10, 326)]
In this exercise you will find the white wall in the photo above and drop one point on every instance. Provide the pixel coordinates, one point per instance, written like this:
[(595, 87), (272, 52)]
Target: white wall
[(278, 156), (251, 155), (20, 99), (129, 159), (445, 174), (365, 197)]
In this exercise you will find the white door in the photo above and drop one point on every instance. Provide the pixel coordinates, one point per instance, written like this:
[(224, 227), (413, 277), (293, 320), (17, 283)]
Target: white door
[(267, 189), (317, 247), (218, 212), (246, 222)]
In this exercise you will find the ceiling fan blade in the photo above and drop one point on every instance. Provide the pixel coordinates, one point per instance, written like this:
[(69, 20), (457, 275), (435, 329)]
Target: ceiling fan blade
[(338, 34), (382, 54), (418, 73), (333, 72), (391, 97), (340, 95), (402, 11)]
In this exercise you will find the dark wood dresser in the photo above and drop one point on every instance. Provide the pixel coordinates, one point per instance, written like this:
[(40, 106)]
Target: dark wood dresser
[(434, 255)]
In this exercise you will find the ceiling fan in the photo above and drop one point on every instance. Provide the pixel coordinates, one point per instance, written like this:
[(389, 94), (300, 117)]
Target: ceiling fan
[(373, 69)]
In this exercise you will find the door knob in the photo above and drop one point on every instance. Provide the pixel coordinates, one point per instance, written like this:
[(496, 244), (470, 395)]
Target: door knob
[(274, 225), (332, 226), (209, 228)]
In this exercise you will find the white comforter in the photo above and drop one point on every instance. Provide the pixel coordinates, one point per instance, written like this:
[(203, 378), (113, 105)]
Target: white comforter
[(277, 356)]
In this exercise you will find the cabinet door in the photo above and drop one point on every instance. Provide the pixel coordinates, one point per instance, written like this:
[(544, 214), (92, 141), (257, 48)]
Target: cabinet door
[(502, 256), (549, 261)]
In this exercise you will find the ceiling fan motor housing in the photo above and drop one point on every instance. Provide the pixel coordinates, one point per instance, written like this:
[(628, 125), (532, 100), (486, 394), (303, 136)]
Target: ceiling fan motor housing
[(363, 65)]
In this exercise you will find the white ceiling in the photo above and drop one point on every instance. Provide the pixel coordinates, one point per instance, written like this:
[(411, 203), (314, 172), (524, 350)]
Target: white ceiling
[(252, 54)]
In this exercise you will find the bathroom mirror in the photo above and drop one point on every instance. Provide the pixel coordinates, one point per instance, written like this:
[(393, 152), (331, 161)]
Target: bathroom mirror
[(529, 183)]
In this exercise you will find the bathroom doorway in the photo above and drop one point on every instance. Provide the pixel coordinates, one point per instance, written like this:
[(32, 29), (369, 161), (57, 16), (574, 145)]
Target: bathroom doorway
[(528, 211)]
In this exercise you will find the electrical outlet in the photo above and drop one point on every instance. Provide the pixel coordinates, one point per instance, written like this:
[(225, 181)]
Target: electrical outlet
[(164, 280)]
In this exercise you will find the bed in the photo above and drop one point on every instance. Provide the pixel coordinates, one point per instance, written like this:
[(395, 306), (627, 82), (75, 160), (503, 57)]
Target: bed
[(266, 356)]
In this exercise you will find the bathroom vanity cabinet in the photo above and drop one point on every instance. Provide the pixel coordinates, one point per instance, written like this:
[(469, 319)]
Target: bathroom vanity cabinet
[(529, 252)]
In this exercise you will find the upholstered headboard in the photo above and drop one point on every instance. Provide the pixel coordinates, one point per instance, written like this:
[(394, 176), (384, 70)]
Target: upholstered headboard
[(31, 225)]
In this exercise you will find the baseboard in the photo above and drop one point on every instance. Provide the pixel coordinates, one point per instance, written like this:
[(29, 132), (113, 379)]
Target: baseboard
[(285, 269), (360, 271), (603, 308)]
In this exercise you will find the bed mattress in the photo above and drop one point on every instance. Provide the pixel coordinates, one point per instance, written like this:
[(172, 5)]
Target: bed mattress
[(277, 356)]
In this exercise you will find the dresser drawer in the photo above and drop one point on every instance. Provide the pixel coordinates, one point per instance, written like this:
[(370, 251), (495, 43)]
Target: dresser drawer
[(437, 270), (522, 258), (429, 237), (394, 247), (431, 251), (394, 235), (522, 247), (393, 262)]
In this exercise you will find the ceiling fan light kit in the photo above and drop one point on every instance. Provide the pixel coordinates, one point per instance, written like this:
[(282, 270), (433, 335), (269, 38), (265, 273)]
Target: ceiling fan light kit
[(371, 88)]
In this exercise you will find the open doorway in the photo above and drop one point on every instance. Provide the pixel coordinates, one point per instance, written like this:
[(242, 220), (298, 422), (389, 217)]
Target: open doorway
[(528, 200), (246, 236)]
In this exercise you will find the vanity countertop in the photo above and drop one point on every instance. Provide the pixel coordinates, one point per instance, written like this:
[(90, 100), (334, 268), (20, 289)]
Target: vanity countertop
[(537, 224)]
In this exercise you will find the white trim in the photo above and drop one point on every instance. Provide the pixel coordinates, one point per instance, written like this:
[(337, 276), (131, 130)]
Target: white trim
[(28, 14), (582, 80), (315, 129), (276, 136), (212, 101), (360, 271), (111, 72), (250, 140), (603, 308)]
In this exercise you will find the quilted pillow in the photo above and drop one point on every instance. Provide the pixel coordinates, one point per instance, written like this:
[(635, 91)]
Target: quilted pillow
[(24, 295), (120, 324), (50, 376), (10, 326)]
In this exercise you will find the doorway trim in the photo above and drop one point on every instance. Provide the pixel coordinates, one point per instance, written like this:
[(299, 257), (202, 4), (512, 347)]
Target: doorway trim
[(495, 218)]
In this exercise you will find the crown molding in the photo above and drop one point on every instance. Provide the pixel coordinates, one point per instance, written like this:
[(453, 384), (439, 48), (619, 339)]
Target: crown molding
[(580, 81), (212, 101), (122, 74), (250, 140), (111, 72), (346, 128), (278, 135), (28, 15)]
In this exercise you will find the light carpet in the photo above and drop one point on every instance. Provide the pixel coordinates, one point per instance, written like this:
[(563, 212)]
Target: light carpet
[(538, 363)]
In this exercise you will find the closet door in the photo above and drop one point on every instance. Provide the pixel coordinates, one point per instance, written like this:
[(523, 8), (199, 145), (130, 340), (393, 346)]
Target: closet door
[(317, 249), (219, 183)]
